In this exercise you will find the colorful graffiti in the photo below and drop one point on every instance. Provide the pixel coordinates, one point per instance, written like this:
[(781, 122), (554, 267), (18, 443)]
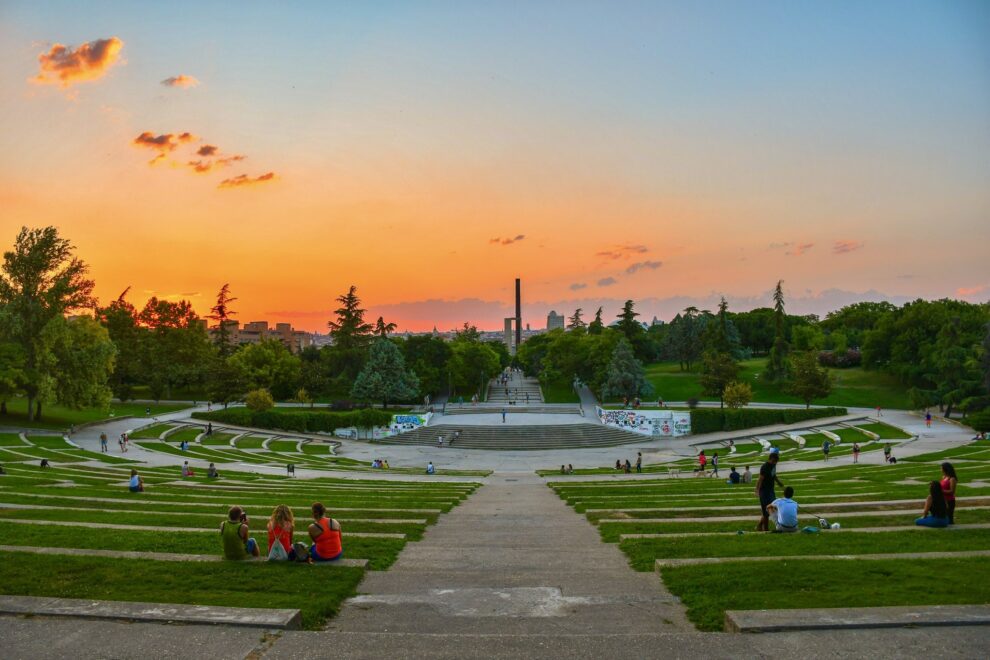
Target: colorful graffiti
[(648, 422)]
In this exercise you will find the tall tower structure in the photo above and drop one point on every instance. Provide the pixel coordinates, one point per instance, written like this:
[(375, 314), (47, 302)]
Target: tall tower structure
[(518, 316)]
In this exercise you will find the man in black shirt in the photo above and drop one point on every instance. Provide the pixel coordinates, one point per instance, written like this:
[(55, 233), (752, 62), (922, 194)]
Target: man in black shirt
[(764, 488)]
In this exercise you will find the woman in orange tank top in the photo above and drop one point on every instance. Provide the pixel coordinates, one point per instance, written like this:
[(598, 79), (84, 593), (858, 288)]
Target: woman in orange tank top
[(325, 533)]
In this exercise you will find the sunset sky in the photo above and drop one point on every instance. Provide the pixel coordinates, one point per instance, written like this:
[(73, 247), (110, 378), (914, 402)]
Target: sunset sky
[(431, 152)]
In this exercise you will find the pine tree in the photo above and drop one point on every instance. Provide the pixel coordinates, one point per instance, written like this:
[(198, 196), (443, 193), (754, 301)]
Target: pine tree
[(385, 377), (597, 325), (576, 321), (383, 329), (628, 325), (221, 313), (777, 365), (625, 376), (349, 330)]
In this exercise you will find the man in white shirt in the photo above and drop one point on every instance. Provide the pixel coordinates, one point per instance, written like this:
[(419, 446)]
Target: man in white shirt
[(784, 512)]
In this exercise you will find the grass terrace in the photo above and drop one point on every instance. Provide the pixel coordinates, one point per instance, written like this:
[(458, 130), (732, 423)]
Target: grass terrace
[(60, 418), (70, 505), (702, 529)]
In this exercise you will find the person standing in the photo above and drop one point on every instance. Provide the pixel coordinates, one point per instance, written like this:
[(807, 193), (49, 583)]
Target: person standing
[(826, 446), (928, 419), (879, 413), (948, 484), (714, 464), (886, 453), (103, 443), (639, 462), (765, 490), (855, 452), (503, 415)]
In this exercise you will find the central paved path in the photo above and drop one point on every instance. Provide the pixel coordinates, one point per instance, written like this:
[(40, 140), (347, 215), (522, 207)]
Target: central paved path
[(513, 559)]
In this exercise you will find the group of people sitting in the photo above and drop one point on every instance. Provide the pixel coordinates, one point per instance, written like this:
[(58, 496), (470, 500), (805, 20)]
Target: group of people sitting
[(379, 463), (737, 478), (324, 532), (567, 469)]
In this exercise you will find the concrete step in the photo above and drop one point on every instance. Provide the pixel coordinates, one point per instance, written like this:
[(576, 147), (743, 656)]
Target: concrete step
[(250, 617), (522, 437), (850, 618), (156, 556)]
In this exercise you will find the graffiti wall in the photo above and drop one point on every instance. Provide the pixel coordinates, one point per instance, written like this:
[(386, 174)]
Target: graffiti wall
[(660, 423), (401, 424)]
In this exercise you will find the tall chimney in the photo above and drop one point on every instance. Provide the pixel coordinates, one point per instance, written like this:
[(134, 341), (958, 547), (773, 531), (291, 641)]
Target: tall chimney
[(518, 317)]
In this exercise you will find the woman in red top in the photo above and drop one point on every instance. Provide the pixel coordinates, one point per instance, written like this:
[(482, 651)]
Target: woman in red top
[(949, 483), (280, 528), (325, 533)]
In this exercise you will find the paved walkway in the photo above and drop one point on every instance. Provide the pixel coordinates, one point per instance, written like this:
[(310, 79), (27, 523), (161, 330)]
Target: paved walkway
[(512, 559)]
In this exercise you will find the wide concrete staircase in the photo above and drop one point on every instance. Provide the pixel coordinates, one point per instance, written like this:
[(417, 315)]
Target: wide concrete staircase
[(521, 437), (519, 391)]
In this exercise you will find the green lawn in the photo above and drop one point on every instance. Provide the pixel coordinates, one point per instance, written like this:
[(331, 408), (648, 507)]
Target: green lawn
[(559, 392), (854, 387), (61, 418), (709, 590)]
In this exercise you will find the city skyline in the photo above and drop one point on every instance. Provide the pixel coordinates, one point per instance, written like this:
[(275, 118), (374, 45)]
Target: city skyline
[(667, 154)]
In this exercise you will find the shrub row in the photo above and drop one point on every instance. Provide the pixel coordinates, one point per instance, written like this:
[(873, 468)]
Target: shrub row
[(299, 420), (712, 420)]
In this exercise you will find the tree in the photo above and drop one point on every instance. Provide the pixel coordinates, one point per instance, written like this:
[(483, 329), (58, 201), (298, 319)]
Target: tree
[(808, 381), (383, 329), (737, 395), (269, 365), (955, 374), (259, 400), (84, 359), (120, 318), (684, 340), (471, 364), (351, 336), (985, 359), (303, 397), (176, 350), (40, 282), (11, 372), (777, 365), (221, 313), (625, 375), (807, 338), (384, 376), (628, 325), (227, 382), (597, 325), (717, 371), (427, 356), (576, 321)]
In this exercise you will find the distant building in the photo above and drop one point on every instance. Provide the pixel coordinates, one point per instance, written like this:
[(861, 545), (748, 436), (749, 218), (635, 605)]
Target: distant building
[(554, 320), (255, 331)]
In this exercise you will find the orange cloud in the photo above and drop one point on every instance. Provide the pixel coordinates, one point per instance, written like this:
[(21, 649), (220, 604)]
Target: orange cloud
[(800, 249), (181, 80), (640, 265), (507, 241), (207, 150), (967, 291), (842, 247), (622, 251), (204, 166), (245, 180), (63, 65), (163, 143)]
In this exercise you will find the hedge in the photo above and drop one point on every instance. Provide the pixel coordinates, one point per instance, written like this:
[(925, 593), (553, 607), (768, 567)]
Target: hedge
[(299, 420), (713, 420)]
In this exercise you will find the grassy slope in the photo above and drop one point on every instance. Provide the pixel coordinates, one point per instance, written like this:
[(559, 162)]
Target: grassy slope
[(853, 387), (60, 418)]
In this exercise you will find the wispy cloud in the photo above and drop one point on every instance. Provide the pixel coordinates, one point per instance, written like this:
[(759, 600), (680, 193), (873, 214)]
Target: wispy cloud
[(181, 80), (800, 249), (507, 240), (607, 281), (245, 180), (622, 251), (641, 265), (845, 246), (577, 286), (163, 144), (970, 291), (64, 65), (204, 166)]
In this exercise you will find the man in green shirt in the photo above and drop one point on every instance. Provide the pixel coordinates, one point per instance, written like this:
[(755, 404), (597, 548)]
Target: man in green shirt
[(234, 536)]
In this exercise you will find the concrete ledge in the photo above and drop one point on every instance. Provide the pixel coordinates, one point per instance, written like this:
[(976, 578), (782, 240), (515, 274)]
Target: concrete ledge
[(850, 618), (152, 612), (963, 554), (156, 556)]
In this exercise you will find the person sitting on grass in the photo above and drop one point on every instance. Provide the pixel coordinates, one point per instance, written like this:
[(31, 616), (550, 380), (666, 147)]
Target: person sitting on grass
[(280, 529), (211, 472), (886, 453), (44, 463), (325, 533), (563, 469), (747, 476), (784, 512), (936, 514), (187, 471), (136, 484), (570, 469), (237, 545), (733, 476)]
